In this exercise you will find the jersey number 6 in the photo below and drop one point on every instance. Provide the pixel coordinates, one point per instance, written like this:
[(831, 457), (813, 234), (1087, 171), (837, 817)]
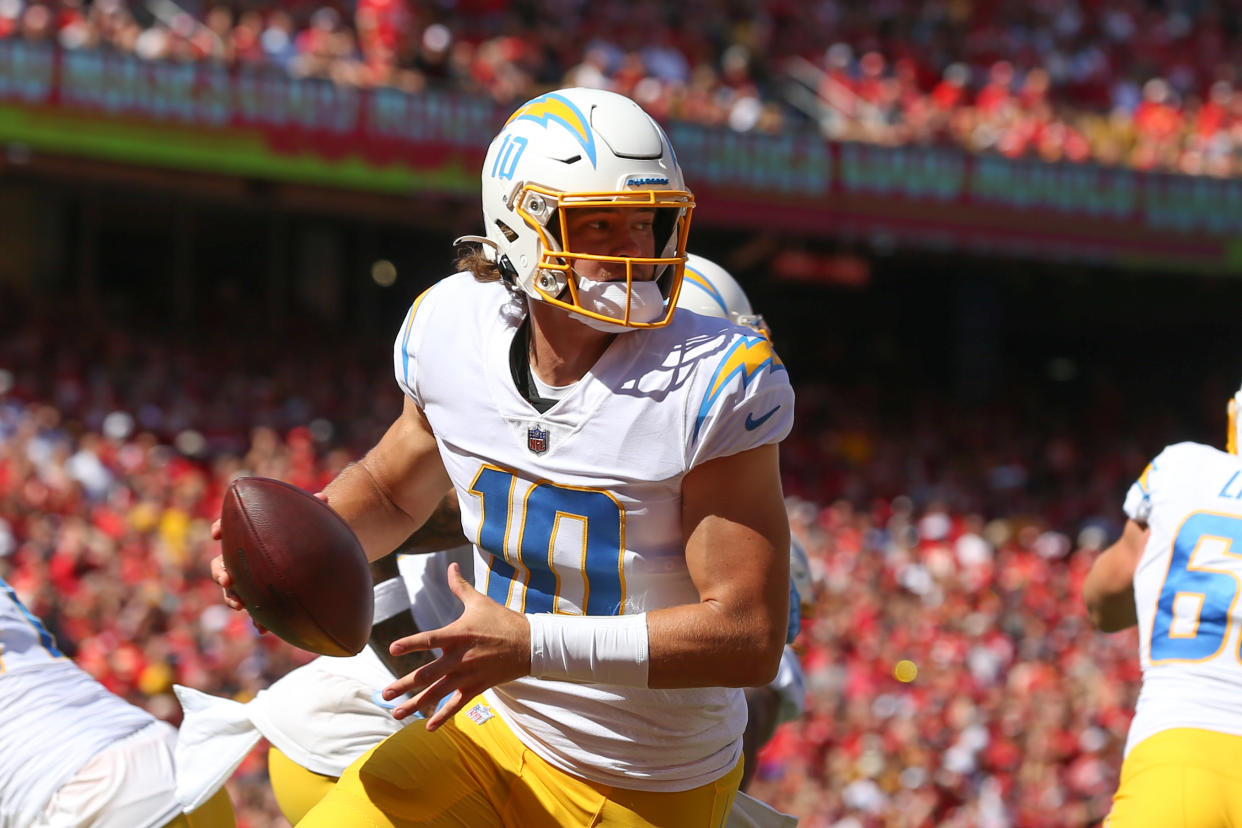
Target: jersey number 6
[(1193, 612)]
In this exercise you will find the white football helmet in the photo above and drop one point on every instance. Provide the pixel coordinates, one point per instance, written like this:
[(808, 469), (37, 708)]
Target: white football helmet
[(574, 149), (1233, 440), (709, 290)]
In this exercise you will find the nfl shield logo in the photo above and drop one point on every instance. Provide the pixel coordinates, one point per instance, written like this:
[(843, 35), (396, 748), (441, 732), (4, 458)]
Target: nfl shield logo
[(537, 439)]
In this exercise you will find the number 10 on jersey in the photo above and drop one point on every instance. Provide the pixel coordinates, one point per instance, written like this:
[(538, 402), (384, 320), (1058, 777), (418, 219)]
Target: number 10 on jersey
[(560, 547)]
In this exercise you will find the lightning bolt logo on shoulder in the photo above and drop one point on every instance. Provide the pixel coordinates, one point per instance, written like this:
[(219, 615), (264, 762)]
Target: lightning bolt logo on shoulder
[(746, 358)]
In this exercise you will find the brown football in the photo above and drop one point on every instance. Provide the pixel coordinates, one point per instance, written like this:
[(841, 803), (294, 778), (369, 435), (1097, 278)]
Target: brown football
[(297, 566)]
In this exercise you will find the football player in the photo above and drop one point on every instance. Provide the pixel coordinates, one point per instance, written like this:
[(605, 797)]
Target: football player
[(72, 753), (710, 290), (616, 466), (322, 716), (1176, 574)]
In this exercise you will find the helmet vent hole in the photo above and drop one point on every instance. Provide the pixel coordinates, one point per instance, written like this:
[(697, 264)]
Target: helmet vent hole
[(510, 233)]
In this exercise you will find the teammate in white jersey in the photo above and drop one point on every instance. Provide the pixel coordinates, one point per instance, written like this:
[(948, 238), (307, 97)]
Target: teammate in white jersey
[(1177, 574), (710, 290), (72, 753), (617, 469)]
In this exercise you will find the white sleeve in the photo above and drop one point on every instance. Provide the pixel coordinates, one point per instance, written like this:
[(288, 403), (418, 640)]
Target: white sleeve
[(405, 348), (748, 402), (1137, 505), (1138, 500)]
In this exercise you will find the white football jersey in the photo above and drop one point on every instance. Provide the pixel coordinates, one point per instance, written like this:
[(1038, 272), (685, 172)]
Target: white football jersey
[(53, 716), (1186, 591), (578, 510)]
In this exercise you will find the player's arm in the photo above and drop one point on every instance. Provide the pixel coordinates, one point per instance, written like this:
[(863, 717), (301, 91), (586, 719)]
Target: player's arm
[(737, 552), (392, 491), (1109, 588), (441, 531)]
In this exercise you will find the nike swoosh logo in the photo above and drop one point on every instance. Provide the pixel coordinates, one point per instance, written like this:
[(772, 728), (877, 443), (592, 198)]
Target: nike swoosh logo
[(753, 422)]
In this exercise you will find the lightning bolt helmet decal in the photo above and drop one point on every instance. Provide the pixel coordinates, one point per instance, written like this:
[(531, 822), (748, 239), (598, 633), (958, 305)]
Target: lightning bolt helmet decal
[(557, 108)]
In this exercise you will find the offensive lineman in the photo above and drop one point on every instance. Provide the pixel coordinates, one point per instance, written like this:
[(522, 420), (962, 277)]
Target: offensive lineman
[(619, 475), (1176, 572)]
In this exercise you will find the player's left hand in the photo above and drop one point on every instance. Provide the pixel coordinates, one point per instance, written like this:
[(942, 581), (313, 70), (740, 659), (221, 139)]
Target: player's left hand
[(486, 646)]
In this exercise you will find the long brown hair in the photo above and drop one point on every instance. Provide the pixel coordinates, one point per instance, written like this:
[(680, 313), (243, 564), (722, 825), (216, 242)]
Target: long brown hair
[(473, 260)]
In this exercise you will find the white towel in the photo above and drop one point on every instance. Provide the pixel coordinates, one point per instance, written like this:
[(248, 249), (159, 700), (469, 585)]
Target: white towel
[(214, 738), (748, 812)]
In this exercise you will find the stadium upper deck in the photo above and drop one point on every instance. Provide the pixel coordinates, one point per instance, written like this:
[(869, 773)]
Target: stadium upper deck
[(1120, 82)]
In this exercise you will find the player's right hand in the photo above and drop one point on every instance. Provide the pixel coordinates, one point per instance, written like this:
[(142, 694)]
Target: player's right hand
[(221, 576), (487, 645)]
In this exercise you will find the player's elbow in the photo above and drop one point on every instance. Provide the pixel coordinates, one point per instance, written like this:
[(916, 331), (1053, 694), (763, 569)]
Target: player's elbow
[(1091, 602), (1110, 613), (765, 646), (765, 670), (1111, 622), (746, 652), (1096, 616)]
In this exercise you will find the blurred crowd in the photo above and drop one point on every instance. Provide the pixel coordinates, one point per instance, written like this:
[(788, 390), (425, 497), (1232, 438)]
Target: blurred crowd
[(115, 452), (1147, 84), (953, 679), (1064, 467)]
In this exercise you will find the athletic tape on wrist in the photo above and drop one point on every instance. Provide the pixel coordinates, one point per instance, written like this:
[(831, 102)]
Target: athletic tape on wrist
[(590, 648), (391, 598)]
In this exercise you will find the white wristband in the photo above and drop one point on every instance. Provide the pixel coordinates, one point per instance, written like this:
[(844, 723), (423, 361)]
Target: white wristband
[(391, 598), (598, 649)]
